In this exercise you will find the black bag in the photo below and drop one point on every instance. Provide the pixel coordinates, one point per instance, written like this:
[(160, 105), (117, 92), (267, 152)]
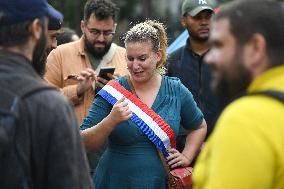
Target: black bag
[(14, 172)]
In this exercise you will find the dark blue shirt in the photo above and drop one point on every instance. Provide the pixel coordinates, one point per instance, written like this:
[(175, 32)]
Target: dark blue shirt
[(196, 76)]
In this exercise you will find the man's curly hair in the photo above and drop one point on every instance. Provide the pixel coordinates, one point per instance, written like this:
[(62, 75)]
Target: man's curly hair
[(103, 9)]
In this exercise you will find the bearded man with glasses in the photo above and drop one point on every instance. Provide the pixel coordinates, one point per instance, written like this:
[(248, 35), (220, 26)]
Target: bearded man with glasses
[(73, 67)]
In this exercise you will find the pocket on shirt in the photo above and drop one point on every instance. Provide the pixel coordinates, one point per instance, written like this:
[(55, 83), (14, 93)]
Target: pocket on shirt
[(68, 82)]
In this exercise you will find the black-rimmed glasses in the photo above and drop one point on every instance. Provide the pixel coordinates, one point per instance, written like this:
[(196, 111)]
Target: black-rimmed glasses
[(96, 32)]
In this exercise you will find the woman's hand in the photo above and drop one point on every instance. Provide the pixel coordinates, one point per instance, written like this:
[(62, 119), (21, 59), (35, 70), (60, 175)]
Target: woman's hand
[(120, 112), (101, 82), (177, 159)]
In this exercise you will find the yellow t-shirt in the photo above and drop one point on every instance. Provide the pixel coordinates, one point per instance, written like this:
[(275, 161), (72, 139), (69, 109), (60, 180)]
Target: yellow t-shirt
[(246, 150)]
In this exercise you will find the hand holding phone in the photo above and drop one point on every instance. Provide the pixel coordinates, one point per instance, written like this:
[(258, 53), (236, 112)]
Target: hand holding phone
[(104, 71)]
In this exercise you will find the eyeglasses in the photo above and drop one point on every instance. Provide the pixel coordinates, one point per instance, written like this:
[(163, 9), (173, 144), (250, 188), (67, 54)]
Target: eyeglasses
[(96, 33)]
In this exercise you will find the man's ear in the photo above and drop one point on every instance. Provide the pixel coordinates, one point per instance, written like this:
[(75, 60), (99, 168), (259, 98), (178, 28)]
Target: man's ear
[(257, 48), (256, 53), (182, 22), (82, 25), (36, 29)]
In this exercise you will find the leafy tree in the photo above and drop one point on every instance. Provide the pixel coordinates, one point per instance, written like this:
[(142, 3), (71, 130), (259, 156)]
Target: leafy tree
[(131, 11)]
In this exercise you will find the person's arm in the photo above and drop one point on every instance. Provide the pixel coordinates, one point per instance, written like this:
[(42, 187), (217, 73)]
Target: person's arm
[(193, 120), (76, 86), (192, 146), (95, 136), (194, 142)]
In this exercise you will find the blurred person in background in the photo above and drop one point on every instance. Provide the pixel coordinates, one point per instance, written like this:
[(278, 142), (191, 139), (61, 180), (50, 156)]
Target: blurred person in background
[(246, 148), (54, 26), (186, 63), (66, 35)]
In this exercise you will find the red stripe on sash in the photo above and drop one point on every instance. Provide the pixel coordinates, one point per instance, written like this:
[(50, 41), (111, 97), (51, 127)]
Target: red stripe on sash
[(161, 123)]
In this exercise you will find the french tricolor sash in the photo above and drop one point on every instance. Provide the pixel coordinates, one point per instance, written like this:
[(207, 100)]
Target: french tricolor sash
[(150, 123)]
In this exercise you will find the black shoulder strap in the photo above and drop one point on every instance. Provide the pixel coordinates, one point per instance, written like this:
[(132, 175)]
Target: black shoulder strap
[(24, 85), (271, 93)]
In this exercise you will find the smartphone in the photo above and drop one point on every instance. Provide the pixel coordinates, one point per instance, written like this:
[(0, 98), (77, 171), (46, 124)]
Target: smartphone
[(104, 71)]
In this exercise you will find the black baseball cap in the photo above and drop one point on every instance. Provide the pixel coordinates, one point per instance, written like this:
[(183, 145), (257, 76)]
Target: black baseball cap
[(15, 11), (54, 24)]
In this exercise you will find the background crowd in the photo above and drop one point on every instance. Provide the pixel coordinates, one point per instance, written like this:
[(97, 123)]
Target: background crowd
[(131, 12), (214, 103)]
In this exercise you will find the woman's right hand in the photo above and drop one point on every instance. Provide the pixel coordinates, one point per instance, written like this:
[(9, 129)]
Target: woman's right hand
[(120, 111)]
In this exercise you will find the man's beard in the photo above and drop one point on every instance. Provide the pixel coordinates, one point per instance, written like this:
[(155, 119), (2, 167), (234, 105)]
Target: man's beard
[(40, 55), (197, 38), (97, 52), (233, 84)]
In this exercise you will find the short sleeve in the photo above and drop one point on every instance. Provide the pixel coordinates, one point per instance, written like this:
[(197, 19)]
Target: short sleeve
[(98, 111), (191, 115)]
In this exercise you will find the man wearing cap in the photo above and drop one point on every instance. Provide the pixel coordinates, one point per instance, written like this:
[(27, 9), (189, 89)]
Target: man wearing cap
[(40, 146), (186, 63), (54, 26)]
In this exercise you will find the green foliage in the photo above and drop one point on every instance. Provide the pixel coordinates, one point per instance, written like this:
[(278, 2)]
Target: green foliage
[(130, 11)]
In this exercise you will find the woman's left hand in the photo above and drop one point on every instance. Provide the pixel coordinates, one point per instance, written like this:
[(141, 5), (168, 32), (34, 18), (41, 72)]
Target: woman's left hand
[(177, 159)]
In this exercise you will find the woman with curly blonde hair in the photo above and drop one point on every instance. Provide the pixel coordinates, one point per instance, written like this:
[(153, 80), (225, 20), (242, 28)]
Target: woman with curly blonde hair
[(139, 123)]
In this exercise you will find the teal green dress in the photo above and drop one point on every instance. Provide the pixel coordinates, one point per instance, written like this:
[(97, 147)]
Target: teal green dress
[(130, 160)]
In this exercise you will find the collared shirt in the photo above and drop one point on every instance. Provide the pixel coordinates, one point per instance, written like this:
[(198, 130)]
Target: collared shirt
[(71, 59), (196, 76)]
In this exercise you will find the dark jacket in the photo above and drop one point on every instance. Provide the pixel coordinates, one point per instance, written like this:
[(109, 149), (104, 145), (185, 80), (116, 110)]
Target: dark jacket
[(196, 76), (47, 133)]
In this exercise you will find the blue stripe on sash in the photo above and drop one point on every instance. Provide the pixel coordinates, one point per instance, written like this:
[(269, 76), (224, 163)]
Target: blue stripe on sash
[(140, 123), (107, 96)]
